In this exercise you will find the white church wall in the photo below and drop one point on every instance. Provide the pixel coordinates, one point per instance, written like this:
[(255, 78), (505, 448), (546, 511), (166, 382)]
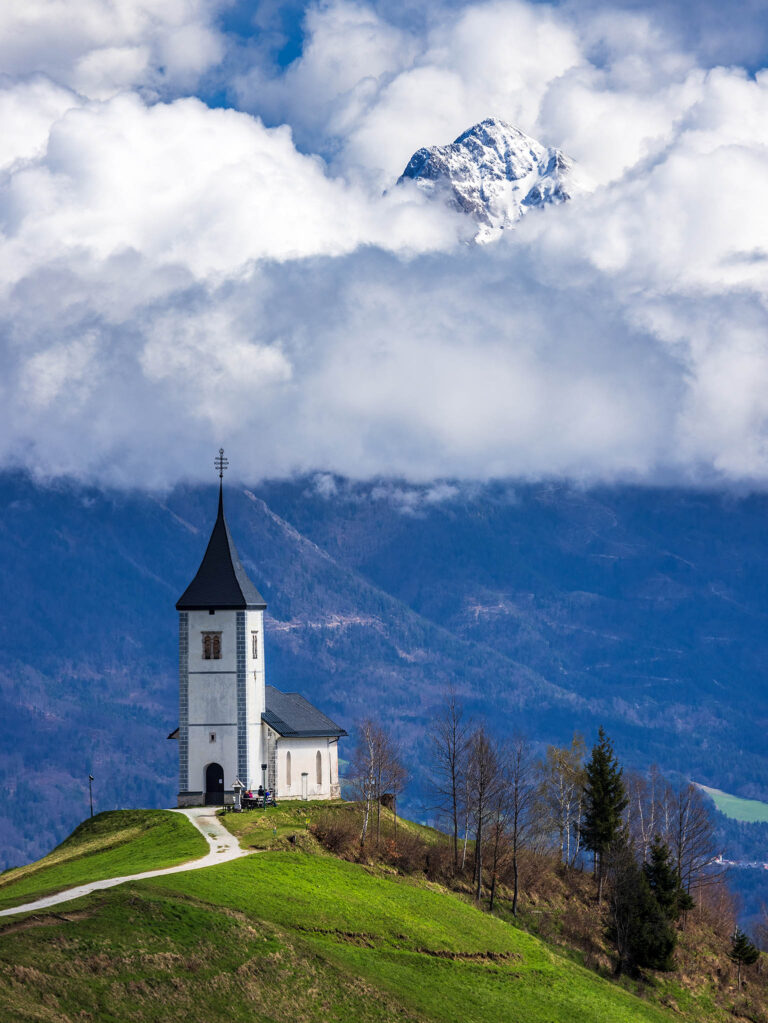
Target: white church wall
[(202, 752), (304, 759), (212, 699)]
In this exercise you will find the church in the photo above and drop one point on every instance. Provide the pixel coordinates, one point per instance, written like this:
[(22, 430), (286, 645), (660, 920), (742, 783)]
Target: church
[(233, 727)]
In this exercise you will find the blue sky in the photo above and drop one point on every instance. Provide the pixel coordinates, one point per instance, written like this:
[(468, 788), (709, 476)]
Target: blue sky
[(201, 242)]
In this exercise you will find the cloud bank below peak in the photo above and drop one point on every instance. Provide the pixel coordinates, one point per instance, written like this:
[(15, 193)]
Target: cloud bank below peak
[(176, 276)]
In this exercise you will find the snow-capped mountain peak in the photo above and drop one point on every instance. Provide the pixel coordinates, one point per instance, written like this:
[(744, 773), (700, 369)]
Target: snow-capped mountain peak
[(493, 172)]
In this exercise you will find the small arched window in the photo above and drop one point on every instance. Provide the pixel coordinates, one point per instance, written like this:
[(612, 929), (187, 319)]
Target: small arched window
[(319, 763), (211, 646), (288, 769)]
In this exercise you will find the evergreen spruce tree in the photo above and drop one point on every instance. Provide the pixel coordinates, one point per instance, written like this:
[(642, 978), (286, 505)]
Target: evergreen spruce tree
[(664, 883), (643, 934), (605, 800), (742, 952)]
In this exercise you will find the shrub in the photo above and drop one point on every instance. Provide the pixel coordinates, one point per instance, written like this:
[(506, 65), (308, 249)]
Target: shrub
[(338, 833), (409, 855), (439, 861)]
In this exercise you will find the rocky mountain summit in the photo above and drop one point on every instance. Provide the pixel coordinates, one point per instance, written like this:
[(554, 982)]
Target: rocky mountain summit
[(493, 172)]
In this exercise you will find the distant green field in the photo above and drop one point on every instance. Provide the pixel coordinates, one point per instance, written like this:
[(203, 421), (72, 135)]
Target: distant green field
[(108, 845), (751, 811)]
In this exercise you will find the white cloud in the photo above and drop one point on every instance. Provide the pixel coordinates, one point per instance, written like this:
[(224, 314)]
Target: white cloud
[(99, 47), (186, 355), (372, 94), (176, 277), (181, 184), (61, 368), (27, 111)]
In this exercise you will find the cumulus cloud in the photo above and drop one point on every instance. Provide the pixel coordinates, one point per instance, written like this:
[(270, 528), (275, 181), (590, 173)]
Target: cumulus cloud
[(175, 277), (369, 93), (184, 185), (98, 48)]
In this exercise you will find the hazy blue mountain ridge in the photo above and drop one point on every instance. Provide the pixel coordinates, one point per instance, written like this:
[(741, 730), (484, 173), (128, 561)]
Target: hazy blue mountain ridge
[(549, 607)]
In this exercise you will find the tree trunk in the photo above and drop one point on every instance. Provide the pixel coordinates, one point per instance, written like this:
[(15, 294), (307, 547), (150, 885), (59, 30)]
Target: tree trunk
[(455, 800), (516, 883), (366, 812), (493, 891), (479, 862), (600, 882), (378, 809)]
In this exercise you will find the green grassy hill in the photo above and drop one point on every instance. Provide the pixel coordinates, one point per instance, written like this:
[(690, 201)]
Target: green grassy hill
[(282, 935), (108, 845)]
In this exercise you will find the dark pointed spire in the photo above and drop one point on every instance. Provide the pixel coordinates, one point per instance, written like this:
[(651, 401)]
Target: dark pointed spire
[(221, 583)]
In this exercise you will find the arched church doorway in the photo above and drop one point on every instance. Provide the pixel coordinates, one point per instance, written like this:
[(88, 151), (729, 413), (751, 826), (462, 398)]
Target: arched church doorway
[(214, 785)]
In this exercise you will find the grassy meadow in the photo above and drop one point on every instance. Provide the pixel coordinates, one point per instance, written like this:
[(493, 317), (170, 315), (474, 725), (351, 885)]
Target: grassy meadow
[(274, 827), (751, 811), (286, 936), (296, 933), (107, 845)]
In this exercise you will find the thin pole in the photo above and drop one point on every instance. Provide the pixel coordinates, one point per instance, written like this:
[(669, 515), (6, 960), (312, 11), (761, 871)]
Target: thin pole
[(90, 791)]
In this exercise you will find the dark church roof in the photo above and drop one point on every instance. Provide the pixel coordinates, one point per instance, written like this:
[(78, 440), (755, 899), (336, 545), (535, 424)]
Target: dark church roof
[(291, 715), (221, 583)]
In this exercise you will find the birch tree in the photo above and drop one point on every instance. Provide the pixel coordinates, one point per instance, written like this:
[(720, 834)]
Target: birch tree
[(562, 793), (377, 767)]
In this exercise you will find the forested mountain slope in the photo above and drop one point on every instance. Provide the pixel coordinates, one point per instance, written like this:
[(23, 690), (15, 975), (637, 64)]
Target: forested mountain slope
[(549, 607)]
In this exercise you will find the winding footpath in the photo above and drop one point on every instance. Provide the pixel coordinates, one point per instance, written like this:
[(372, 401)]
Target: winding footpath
[(223, 845)]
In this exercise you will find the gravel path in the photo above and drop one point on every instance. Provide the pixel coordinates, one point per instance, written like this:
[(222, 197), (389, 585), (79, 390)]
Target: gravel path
[(223, 847)]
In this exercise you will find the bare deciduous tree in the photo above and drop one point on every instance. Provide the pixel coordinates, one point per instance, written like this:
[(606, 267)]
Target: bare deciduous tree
[(644, 796), (692, 837), (521, 799), (485, 778), (363, 774), (376, 768), (679, 817), (449, 739), (498, 826), (562, 794)]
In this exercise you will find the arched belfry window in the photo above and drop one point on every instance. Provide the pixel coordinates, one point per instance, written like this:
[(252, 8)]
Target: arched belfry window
[(319, 763), (288, 769), (211, 646)]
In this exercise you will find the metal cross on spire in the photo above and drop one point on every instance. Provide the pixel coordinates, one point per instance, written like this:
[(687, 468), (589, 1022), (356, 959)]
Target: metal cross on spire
[(221, 463)]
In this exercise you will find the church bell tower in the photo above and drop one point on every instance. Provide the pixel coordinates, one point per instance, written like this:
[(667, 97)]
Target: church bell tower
[(221, 672)]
